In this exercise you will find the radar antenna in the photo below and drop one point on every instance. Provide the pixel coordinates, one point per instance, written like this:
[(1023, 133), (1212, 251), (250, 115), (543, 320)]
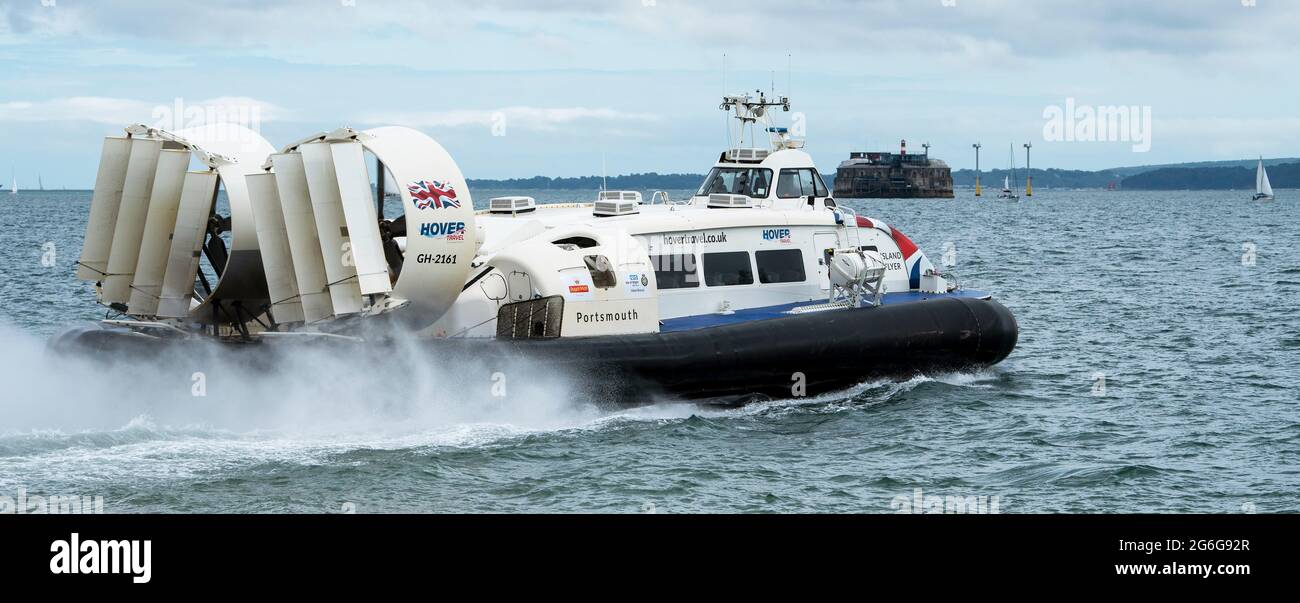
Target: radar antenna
[(750, 112)]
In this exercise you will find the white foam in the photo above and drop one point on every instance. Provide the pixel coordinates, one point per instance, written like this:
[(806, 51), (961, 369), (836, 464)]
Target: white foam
[(73, 418)]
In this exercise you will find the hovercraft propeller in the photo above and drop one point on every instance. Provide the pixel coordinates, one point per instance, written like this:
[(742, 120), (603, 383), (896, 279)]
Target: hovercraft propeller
[(151, 221), (343, 256)]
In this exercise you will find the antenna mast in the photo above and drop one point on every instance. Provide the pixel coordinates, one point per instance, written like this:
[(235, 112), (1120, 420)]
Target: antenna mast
[(751, 112)]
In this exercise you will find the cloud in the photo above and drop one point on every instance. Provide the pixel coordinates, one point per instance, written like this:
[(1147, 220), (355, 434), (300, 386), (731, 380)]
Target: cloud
[(668, 33), (124, 111), (97, 109), (1232, 137), (864, 71), (526, 118)]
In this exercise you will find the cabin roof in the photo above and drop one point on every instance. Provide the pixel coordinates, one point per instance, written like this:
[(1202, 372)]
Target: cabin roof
[(663, 217)]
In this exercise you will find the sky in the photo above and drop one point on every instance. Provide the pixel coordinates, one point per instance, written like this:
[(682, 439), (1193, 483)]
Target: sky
[(518, 88)]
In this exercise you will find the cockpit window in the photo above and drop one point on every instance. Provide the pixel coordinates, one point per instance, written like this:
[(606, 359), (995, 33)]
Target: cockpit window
[(788, 186), (751, 182), (810, 181), (800, 183)]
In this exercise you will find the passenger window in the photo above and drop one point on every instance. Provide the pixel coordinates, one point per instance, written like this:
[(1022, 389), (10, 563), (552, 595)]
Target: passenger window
[(675, 271), (728, 268), (787, 185), (780, 266), (602, 273)]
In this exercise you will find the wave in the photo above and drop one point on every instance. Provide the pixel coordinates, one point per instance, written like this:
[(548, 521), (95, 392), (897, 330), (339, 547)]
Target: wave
[(1073, 476), (863, 395)]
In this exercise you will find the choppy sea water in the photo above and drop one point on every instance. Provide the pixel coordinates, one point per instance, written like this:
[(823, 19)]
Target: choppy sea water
[(1156, 372)]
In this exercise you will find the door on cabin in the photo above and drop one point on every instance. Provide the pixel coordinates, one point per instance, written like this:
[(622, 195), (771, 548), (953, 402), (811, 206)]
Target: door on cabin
[(821, 242)]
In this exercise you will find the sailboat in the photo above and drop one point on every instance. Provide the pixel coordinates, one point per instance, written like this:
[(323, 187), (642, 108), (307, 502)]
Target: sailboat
[(14, 190), (1007, 191), (1263, 190)]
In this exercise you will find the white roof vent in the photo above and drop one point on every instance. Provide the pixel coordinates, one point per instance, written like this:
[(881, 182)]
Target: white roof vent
[(747, 154), (725, 201), (511, 205), (610, 208), (620, 196)]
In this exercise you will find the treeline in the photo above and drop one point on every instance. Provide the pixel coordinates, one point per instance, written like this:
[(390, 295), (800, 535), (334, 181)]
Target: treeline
[(1049, 178), (1286, 175)]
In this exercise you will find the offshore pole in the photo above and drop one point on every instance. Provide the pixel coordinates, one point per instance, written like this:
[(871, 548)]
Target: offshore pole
[(977, 168), (1029, 175)]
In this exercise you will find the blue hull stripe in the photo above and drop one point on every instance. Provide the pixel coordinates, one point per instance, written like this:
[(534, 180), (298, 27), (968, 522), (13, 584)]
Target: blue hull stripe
[(704, 321)]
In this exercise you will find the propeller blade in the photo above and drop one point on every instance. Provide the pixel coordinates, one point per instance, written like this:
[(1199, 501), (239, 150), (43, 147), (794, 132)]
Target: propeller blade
[(217, 253), (393, 254)]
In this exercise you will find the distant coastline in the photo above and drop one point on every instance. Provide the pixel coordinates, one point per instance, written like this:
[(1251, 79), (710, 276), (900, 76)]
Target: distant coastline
[(1212, 175), (1216, 175)]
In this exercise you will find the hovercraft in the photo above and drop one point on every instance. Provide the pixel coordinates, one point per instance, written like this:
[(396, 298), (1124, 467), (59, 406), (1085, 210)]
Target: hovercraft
[(759, 285)]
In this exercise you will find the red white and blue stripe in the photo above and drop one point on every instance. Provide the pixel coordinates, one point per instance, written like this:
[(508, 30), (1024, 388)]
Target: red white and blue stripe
[(912, 258)]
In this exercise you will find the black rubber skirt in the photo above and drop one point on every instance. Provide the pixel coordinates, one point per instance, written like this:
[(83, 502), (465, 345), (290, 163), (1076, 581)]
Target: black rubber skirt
[(805, 354), (797, 355)]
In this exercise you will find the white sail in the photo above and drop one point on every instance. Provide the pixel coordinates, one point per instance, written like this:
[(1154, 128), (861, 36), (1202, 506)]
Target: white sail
[(14, 190), (1262, 186), (1006, 183)]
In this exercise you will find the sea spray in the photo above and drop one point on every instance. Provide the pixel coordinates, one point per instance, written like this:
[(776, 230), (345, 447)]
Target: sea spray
[(405, 387)]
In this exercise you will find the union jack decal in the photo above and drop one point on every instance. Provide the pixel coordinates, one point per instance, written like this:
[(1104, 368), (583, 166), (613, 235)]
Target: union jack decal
[(431, 193)]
